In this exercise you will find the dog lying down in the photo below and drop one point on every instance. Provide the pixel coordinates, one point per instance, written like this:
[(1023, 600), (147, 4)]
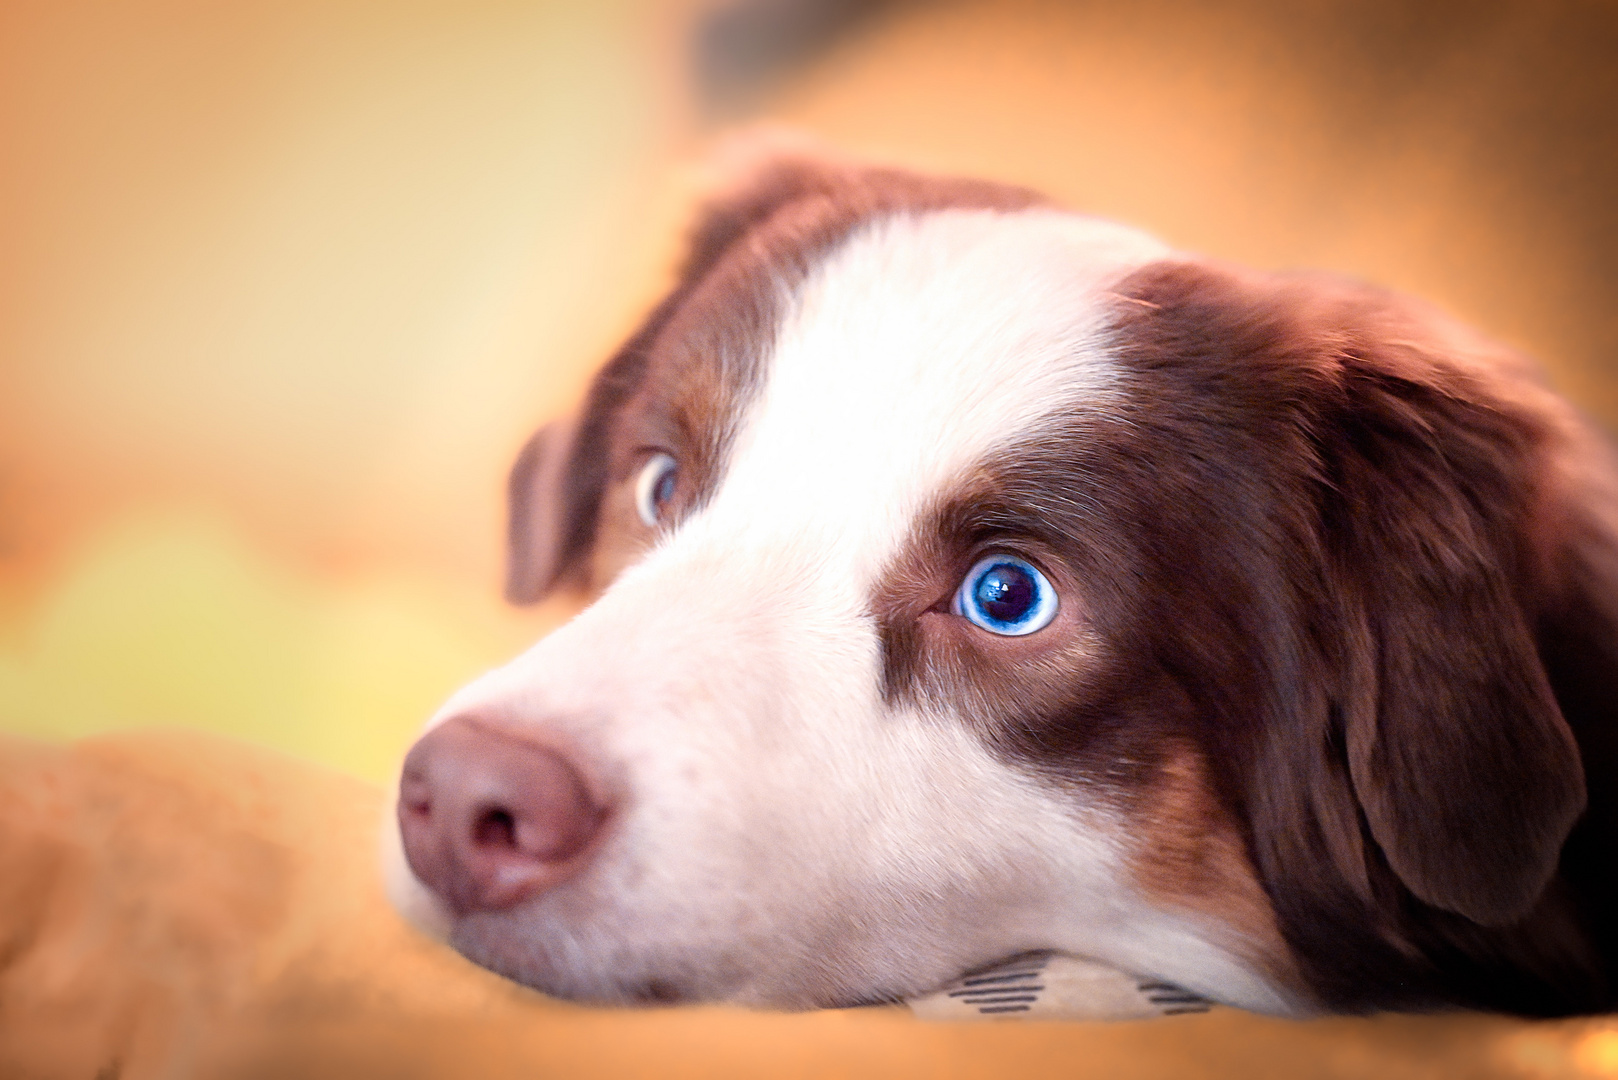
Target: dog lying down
[(978, 578)]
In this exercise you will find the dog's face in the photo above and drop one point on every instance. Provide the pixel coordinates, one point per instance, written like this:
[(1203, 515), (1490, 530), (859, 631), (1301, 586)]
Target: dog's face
[(979, 578)]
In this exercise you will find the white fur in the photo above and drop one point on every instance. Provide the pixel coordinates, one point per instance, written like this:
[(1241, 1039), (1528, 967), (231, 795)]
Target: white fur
[(788, 838)]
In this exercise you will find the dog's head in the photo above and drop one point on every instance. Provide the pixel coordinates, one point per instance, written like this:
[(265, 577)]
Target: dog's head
[(978, 577)]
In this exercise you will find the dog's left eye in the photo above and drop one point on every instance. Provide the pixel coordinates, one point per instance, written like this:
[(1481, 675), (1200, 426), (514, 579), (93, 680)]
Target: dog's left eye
[(1006, 595), (654, 487)]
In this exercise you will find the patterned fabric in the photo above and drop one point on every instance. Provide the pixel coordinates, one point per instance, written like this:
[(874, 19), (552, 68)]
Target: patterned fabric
[(1053, 986)]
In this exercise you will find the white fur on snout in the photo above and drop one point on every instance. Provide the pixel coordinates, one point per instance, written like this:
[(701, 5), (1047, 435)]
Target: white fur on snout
[(783, 835)]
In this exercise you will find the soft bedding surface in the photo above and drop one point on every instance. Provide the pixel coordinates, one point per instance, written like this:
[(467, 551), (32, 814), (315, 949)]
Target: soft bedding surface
[(179, 905)]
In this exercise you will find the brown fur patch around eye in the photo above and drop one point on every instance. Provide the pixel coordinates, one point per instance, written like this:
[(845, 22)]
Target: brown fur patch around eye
[(935, 657)]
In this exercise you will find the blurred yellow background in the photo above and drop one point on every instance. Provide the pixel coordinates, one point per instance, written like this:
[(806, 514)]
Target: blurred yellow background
[(284, 286)]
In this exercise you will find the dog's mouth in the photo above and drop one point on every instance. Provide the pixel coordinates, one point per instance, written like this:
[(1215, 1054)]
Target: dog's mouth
[(654, 992), (871, 1000)]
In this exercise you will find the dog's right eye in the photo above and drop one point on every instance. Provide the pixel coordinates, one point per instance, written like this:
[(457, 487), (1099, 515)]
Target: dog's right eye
[(654, 487)]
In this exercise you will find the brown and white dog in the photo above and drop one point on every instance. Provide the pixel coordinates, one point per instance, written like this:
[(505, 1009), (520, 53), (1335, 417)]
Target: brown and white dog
[(981, 577)]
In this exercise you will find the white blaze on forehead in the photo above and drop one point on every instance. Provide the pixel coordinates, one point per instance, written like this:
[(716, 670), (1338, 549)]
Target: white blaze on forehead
[(909, 353)]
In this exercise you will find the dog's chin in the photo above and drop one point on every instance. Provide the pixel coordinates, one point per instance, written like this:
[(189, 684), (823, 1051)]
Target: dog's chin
[(561, 969), (652, 990), (648, 991)]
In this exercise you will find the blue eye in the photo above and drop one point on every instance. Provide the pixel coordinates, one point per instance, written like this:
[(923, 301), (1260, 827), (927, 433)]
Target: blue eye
[(655, 485), (1006, 595)]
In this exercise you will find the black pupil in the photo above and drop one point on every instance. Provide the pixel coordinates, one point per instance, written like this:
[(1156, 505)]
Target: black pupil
[(1005, 592)]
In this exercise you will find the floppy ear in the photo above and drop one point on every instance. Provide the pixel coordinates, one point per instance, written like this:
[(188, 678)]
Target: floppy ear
[(542, 548), (1466, 773)]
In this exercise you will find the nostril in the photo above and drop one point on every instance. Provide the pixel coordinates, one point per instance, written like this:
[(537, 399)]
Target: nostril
[(415, 796), (495, 827), (489, 817)]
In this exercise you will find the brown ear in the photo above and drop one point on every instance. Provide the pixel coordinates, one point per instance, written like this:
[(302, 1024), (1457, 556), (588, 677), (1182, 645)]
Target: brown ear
[(541, 549), (1467, 774)]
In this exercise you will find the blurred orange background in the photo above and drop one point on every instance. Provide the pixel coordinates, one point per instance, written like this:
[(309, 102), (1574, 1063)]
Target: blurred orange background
[(284, 286)]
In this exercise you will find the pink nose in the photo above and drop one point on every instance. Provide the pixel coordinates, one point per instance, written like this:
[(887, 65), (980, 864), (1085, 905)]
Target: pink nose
[(490, 818)]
